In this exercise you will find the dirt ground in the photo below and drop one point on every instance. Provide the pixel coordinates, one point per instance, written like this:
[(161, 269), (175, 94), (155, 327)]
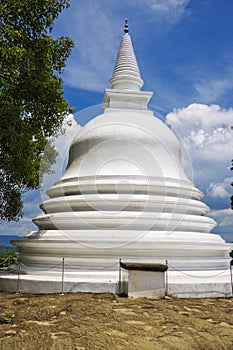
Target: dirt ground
[(105, 321)]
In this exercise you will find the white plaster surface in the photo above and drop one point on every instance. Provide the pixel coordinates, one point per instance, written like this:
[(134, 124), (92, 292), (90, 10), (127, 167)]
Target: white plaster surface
[(124, 195), (149, 284)]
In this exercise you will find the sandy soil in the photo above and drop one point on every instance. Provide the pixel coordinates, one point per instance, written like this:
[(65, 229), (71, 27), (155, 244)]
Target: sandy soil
[(105, 321)]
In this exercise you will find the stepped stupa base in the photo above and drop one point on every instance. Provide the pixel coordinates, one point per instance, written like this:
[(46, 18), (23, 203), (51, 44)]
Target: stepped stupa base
[(43, 284), (182, 284)]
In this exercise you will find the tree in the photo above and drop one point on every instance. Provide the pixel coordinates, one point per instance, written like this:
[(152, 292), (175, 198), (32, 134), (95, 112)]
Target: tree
[(32, 104)]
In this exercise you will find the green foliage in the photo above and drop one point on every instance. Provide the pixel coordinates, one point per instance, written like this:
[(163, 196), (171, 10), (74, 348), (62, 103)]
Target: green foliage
[(32, 104), (8, 257)]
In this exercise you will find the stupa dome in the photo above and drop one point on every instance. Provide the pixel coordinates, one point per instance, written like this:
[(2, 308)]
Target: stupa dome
[(125, 143)]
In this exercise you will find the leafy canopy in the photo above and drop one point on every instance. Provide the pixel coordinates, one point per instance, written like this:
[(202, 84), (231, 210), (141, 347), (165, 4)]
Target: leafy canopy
[(32, 104)]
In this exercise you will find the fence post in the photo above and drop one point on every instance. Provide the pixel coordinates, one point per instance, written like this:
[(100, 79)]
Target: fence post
[(62, 281), (166, 279), (18, 280), (231, 263), (120, 276)]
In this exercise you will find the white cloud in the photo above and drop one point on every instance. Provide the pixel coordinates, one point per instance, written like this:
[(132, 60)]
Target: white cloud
[(214, 86), (197, 117), (170, 11), (224, 217), (221, 190), (217, 190), (206, 133)]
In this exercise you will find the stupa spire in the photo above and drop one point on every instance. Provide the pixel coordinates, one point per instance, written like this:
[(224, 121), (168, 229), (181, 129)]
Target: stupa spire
[(126, 81), (126, 75)]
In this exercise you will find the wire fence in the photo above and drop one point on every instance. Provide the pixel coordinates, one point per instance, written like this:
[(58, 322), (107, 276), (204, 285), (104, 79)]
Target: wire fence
[(64, 263), (23, 268)]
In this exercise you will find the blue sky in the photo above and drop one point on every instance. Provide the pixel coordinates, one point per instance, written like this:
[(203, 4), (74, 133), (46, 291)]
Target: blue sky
[(184, 49)]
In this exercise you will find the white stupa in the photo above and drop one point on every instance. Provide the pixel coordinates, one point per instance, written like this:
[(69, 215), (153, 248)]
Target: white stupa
[(124, 195)]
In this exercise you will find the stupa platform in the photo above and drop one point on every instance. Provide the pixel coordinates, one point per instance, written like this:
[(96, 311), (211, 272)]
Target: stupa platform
[(181, 284)]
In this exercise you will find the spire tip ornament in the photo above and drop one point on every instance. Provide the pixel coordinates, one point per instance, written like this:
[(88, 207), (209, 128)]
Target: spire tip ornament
[(126, 29)]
